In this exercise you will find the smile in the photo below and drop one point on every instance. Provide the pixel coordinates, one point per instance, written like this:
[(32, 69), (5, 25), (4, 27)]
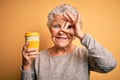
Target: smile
[(61, 38)]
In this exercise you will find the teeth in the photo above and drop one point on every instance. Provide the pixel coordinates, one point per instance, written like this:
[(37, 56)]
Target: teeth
[(61, 38)]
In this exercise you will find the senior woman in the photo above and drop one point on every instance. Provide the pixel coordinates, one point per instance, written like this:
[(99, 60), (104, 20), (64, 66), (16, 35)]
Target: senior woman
[(65, 61)]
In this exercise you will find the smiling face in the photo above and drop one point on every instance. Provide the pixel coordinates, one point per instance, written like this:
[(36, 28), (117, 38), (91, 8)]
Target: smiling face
[(61, 32)]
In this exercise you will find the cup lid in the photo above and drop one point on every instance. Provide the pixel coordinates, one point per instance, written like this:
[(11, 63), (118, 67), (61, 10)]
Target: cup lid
[(32, 34)]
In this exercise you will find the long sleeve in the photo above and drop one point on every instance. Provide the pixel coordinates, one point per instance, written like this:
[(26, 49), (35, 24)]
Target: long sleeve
[(100, 59), (28, 75)]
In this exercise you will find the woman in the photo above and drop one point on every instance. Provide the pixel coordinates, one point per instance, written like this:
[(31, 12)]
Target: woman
[(65, 61)]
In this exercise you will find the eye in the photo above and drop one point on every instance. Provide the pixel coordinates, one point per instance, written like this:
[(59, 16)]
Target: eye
[(69, 27), (56, 26)]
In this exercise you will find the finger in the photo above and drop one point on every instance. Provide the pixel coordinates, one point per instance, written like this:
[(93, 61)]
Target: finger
[(33, 56), (32, 53), (71, 16), (66, 25), (32, 50), (70, 35), (78, 17), (79, 20), (66, 17), (26, 46)]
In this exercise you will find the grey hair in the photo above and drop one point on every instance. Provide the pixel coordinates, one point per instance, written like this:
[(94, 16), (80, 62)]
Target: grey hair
[(59, 10)]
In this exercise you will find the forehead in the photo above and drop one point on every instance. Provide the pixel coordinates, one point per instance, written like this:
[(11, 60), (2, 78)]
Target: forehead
[(59, 19)]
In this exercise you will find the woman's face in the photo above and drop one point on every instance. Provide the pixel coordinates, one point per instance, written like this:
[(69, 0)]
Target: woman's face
[(62, 31)]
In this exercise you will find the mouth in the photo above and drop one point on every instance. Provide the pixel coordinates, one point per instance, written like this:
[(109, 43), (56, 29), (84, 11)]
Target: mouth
[(61, 38)]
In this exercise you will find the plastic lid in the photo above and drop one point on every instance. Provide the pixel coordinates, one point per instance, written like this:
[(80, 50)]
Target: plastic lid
[(32, 34)]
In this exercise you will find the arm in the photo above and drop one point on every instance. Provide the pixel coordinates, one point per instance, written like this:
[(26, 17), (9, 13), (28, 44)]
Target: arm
[(100, 59), (28, 75), (27, 69)]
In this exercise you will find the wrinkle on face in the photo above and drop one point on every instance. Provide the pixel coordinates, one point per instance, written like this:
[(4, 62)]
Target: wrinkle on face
[(61, 31)]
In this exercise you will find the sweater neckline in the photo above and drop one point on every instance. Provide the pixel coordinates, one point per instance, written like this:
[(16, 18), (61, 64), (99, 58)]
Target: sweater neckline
[(61, 55)]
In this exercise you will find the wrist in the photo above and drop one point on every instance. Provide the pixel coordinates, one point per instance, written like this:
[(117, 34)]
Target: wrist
[(25, 67), (81, 35)]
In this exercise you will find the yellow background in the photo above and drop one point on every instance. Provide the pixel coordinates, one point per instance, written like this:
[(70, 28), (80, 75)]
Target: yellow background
[(101, 19)]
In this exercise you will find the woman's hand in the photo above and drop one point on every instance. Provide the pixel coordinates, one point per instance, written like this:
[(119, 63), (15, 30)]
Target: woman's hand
[(76, 23), (27, 56)]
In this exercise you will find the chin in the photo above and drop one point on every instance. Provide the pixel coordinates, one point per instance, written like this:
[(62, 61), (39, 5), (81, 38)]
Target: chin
[(62, 45)]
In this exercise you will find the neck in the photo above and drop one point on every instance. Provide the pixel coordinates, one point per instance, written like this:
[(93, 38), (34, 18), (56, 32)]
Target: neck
[(58, 51), (62, 50)]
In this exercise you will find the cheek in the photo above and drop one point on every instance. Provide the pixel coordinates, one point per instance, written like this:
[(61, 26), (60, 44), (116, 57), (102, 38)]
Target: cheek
[(53, 38), (70, 37), (53, 32), (71, 33)]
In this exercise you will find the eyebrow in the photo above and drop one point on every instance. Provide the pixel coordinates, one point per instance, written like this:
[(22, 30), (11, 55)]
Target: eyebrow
[(57, 21)]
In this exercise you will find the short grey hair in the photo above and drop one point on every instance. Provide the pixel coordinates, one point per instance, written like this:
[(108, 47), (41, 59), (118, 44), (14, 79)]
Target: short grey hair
[(59, 10)]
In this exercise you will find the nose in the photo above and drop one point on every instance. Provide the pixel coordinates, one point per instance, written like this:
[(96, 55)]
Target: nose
[(61, 32), (63, 29)]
